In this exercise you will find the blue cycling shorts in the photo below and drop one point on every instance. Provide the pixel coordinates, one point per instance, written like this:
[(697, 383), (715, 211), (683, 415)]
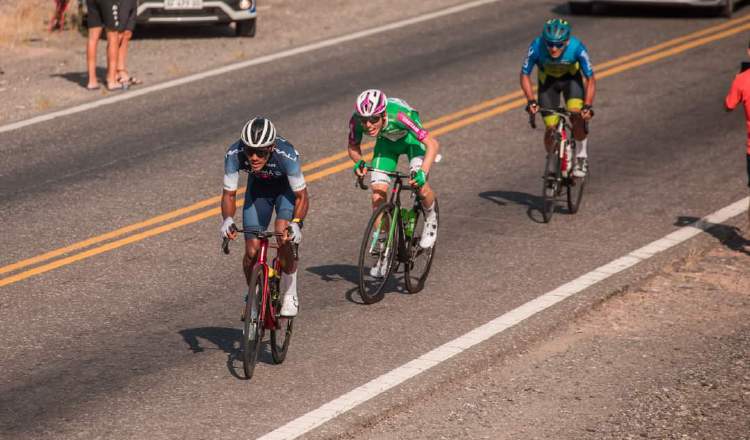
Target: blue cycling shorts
[(260, 201)]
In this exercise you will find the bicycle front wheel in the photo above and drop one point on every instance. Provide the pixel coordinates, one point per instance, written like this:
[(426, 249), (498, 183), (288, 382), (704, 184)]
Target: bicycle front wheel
[(252, 332), (281, 335), (376, 257), (420, 259), (575, 187), (550, 187)]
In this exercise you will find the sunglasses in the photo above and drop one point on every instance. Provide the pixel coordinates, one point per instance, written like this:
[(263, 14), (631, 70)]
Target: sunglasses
[(371, 119), (261, 153), (555, 45)]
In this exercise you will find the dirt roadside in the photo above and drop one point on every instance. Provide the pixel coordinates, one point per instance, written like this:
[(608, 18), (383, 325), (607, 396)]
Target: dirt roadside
[(667, 359), (41, 72)]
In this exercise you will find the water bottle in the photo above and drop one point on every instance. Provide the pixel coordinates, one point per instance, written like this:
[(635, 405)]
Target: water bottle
[(409, 220)]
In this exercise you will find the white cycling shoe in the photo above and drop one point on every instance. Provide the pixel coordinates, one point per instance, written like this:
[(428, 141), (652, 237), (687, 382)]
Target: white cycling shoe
[(379, 269), (290, 305), (429, 233), (581, 167)]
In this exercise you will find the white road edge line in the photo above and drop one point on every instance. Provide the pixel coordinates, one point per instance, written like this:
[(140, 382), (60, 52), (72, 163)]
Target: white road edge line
[(389, 380), (130, 94)]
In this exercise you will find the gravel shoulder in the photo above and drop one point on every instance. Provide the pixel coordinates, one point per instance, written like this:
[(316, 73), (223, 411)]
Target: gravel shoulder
[(667, 359)]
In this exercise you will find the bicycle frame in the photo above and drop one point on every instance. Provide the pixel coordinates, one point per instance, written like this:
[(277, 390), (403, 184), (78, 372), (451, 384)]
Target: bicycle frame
[(269, 322), (396, 225)]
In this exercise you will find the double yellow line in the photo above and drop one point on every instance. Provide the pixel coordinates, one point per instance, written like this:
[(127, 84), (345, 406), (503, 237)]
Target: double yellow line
[(444, 124)]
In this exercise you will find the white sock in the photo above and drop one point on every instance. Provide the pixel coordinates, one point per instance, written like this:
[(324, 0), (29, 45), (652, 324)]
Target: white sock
[(429, 213), (288, 283), (582, 150)]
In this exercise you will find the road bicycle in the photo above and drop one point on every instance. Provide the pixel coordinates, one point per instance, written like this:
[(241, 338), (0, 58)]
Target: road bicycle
[(262, 306), (392, 238), (559, 165)]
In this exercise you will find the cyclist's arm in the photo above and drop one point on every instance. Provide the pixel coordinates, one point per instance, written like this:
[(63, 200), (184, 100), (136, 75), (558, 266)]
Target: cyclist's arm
[(231, 182), (432, 146), (355, 140), (590, 90), (527, 87), (228, 203), (301, 204)]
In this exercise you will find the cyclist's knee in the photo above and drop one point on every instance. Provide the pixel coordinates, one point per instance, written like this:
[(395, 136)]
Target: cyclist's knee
[(251, 252), (378, 195)]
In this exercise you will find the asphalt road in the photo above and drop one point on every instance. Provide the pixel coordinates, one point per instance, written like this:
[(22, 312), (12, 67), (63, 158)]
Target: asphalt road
[(137, 342)]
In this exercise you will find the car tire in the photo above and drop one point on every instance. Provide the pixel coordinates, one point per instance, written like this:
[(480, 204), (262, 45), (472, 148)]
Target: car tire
[(245, 28), (727, 9), (580, 8)]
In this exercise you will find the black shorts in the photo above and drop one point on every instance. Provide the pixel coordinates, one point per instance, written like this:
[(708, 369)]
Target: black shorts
[(571, 87), (113, 15), (128, 12)]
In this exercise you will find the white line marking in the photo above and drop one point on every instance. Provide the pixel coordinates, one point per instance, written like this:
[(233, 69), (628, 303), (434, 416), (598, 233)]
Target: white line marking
[(389, 380), (130, 94)]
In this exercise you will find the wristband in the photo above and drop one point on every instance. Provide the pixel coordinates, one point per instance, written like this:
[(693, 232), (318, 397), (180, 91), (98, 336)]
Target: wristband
[(298, 221)]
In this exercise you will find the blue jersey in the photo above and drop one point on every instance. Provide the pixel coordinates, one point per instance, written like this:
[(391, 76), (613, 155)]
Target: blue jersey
[(283, 166), (575, 58)]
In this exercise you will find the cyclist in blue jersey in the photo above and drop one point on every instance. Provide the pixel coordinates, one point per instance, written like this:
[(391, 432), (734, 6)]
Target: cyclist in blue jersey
[(564, 68), (275, 181)]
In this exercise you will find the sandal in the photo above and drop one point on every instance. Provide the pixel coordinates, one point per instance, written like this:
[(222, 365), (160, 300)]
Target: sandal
[(127, 80)]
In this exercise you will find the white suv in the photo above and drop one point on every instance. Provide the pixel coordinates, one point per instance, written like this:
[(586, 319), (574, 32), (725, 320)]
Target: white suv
[(725, 7)]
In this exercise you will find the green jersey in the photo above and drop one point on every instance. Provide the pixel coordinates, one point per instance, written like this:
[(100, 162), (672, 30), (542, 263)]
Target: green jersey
[(402, 133)]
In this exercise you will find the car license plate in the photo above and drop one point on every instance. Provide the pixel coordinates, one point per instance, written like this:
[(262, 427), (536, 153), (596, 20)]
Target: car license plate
[(183, 4)]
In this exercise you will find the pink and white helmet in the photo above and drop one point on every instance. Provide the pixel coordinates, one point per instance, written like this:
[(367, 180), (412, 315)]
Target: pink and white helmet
[(370, 102)]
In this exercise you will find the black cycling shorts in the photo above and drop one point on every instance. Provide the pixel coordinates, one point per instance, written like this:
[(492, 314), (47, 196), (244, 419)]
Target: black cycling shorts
[(571, 87), (113, 15)]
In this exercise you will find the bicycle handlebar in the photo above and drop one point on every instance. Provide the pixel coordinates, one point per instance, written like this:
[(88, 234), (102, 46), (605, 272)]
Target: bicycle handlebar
[(396, 174), (261, 235)]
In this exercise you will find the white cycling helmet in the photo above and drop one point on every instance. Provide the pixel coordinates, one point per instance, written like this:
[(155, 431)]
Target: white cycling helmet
[(259, 132), (370, 102)]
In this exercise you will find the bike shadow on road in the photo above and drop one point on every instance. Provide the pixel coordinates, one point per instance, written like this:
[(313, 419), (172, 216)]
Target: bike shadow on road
[(350, 274), (727, 235), (533, 203), (227, 340)]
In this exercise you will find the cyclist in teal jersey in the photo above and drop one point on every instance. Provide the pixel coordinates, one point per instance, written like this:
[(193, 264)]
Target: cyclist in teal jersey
[(564, 67), (397, 130)]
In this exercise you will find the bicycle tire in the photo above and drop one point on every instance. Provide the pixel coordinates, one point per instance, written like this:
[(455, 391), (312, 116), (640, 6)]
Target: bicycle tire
[(575, 187), (252, 332), (371, 288), (553, 178), (415, 279), (281, 335)]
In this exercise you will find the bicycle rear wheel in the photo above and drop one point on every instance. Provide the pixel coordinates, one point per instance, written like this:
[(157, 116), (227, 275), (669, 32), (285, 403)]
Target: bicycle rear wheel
[(281, 335), (420, 259), (252, 332), (550, 186), (378, 250)]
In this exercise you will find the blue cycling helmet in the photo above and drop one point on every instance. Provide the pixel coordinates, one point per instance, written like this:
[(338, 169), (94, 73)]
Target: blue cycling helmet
[(556, 30)]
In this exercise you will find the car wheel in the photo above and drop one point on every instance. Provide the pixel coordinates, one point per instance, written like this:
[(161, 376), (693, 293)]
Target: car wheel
[(245, 28), (581, 8), (727, 9)]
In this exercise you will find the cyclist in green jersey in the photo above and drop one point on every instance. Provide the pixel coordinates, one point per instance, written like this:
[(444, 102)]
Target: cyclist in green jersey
[(397, 130)]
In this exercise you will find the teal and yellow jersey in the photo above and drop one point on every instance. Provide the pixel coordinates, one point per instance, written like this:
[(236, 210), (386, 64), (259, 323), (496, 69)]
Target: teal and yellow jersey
[(574, 59)]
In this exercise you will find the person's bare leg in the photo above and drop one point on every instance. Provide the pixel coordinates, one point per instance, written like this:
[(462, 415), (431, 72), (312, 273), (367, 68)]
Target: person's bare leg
[(112, 49), (122, 56), (94, 34)]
